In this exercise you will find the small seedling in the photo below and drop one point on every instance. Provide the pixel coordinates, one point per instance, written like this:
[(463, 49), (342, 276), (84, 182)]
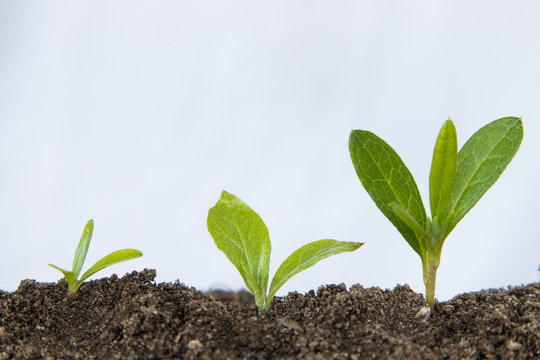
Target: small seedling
[(241, 234), (80, 254), (456, 182)]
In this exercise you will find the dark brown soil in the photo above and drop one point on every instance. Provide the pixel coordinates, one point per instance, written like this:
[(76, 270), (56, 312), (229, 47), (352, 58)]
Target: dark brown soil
[(134, 318)]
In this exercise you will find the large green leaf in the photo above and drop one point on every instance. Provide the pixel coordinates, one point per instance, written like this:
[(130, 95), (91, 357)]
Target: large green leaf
[(305, 257), (443, 170), (111, 259), (480, 162), (241, 234), (387, 180), (82, 248)]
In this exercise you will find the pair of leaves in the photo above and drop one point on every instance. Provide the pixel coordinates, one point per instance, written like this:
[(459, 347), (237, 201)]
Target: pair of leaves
[(457, 180), (72, 277), (241, 234)]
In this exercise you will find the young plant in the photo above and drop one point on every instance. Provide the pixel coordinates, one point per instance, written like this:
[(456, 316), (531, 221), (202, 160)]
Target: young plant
[(241, 234), (80, 254), (456, 182)]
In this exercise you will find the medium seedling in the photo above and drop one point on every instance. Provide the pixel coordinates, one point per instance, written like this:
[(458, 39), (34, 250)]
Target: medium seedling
[(80, 255), (456, 182), (241, 234)]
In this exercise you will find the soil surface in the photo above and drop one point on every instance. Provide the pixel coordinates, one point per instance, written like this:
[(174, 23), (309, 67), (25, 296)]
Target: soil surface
[(134, 318)]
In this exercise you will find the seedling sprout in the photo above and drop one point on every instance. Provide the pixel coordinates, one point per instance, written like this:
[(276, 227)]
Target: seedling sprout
[(456, 182), (241, 234), (80, 255)]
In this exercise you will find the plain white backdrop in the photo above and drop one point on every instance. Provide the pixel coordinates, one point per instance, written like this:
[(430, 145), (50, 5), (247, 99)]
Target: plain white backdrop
[(138, 114)]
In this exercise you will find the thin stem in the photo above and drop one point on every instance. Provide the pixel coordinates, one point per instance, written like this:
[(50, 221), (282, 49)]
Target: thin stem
[(431, 260), (430, 274)]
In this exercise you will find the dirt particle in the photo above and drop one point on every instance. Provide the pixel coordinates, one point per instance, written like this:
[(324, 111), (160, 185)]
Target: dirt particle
[(290, 324), (447, 308)]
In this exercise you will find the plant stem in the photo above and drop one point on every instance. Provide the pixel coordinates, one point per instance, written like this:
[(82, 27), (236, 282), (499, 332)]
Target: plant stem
[(429, 280), (261, 303)]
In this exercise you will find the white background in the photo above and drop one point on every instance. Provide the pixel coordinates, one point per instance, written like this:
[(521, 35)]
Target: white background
[(137, 114)]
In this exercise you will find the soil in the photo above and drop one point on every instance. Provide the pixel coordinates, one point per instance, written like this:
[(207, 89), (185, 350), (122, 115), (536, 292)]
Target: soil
[(134, 318)]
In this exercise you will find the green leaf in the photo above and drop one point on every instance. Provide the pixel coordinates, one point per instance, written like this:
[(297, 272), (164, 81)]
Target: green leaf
[(480, 162), (387, 180), (443, 171), (111, 259), (82, 248), (305, 257), (241, 234), (70, 277), (409, 220)]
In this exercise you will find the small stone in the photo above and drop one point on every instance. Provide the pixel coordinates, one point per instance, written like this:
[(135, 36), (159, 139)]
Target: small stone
[(195, 345), (512, 345), (423, 313)]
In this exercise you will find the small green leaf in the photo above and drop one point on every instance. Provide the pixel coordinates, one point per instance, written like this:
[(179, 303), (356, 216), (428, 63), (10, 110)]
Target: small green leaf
[(480, 162), (111, 259), (305, 257), (241, 234), (387, 180), (443, 170), (70, 277), (82, 248)]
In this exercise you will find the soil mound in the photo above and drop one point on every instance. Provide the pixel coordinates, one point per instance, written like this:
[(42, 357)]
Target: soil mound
[(134, 318)]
